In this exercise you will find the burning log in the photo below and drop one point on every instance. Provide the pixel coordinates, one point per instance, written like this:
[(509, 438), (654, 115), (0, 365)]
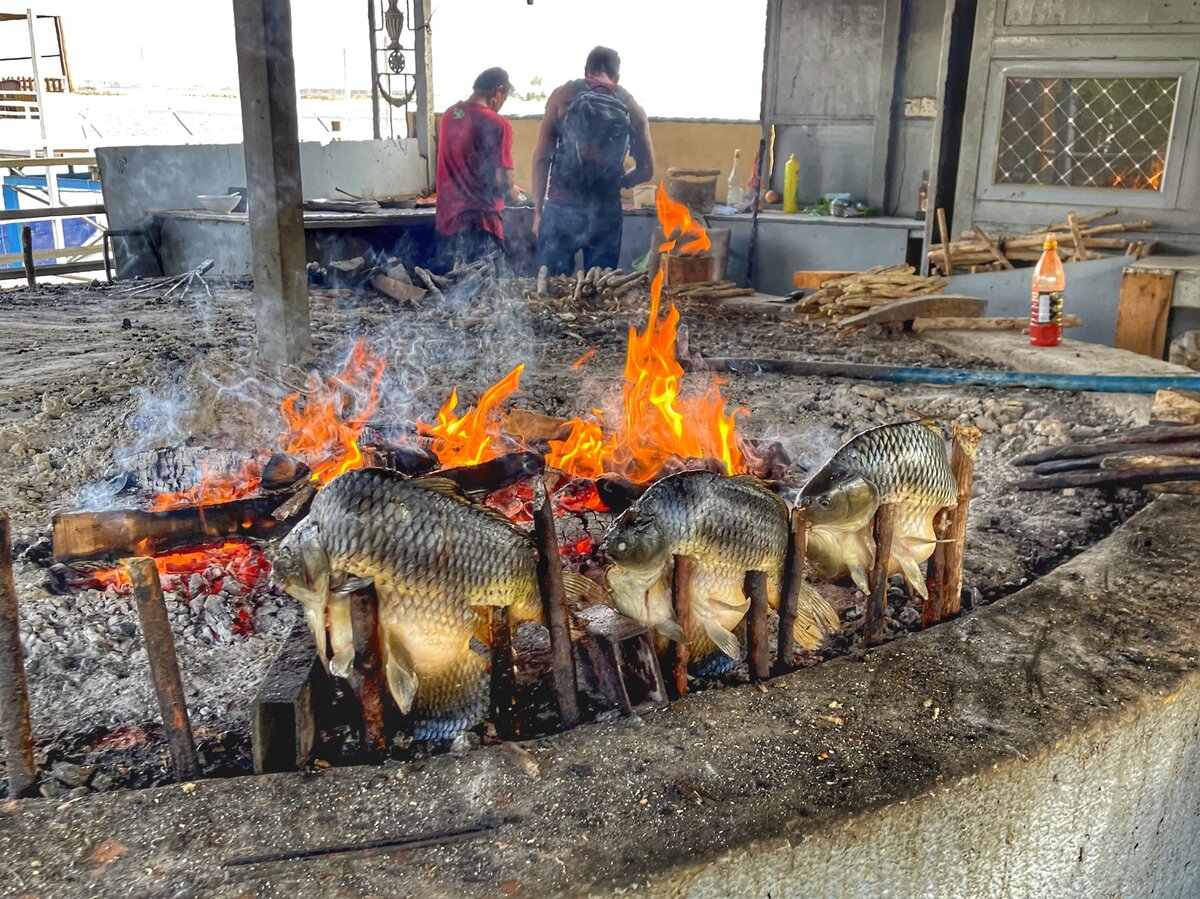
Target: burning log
[(554, 602), (17, 734), (285, 726), (877, 601), (681, 600), (793, 577), (758, 653), (962, 465), (495, 474), (618, 493), (368, 678), (283, 471), (108, 535), (164, 666), (504, 676)]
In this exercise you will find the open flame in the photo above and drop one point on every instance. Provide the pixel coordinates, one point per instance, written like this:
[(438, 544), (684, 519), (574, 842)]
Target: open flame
[(478, 435), (222, 487), (325, 419), (1135, 180), (659, 423)]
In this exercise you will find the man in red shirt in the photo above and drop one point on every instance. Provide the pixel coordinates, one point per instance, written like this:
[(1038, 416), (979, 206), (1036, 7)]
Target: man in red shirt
[(474, 171)]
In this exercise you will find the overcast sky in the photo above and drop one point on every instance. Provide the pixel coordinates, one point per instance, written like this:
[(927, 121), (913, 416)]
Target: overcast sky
[(701, 58)]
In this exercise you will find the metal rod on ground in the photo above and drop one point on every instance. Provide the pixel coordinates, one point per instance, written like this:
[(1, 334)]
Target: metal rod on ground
[(793, 577), (368, 669), (504, 677), (164, 665), (554, 602), (681, 599), (758, 191), (27, 251), (950, 376), (962, 463), (14, 690), (758, 654), (935, 580), (877, 601)]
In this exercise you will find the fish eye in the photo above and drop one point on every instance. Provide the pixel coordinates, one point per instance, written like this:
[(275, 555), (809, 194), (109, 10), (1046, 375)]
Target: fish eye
[(621, 547), (825, 502)]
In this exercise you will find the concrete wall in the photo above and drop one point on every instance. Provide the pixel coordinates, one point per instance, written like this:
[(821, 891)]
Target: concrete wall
[(677, 144), (1082, 38)]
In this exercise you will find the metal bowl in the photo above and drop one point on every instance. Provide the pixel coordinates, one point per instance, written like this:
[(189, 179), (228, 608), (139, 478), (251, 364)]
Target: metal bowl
[(222, 203)]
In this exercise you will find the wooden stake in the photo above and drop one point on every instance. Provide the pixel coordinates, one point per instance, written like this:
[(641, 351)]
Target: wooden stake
[(944, 233), (164, 665), (368, 677), (962, 463), (27, 252), (877, 601), (681, 599), (1073, 224), (285, 725), (757, 653), (504, 677), (554, 602), (935, 580), (793, 577), (14, 690)]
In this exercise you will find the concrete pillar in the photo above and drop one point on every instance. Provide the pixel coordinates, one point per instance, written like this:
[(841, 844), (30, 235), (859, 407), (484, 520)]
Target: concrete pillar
[(267, 80), (423, 82)]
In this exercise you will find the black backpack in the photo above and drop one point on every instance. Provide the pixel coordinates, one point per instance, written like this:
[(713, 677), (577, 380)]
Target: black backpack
[(593, 140)]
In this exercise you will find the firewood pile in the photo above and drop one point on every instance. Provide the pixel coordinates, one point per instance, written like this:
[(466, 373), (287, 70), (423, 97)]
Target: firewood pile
[(595, 282), (841, 298), (709, 290), (1079, 238)]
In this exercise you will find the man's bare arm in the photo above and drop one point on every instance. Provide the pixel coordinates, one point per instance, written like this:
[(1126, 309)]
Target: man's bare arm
[(641, 147), (504, 180)]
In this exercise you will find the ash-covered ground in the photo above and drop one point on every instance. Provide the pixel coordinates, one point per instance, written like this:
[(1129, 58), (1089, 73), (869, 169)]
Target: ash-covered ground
[(90, 376)]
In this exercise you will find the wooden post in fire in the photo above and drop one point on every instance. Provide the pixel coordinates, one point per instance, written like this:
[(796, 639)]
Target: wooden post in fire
[(877, 601), (962, 464), (681, 599), (14, 690), (554, 602), (164, 665), (793, 577), (368, 678), (504, 677), (935, 579), (758, 654)]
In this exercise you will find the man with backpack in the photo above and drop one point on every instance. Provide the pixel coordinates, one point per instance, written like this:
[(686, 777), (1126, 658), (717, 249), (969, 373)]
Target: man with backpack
[(590, 125)]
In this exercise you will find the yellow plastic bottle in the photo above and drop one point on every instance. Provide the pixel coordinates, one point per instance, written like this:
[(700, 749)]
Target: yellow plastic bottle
[(791, 183)]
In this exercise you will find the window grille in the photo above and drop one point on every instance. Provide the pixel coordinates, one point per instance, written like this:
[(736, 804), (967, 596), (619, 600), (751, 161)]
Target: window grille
[(1086, 132)]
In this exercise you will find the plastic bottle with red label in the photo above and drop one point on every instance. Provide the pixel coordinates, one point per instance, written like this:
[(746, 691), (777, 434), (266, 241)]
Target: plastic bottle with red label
[(1049, 285)]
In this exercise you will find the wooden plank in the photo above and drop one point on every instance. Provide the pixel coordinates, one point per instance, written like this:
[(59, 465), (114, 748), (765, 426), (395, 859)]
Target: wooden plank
[(812, 280), (46, 212), (955, 323), (284, 720), (931, 306), (1142, 315)]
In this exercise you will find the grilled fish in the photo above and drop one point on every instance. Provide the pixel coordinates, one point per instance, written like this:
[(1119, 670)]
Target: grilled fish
[(437, 561), (729, 526), (904, 464)]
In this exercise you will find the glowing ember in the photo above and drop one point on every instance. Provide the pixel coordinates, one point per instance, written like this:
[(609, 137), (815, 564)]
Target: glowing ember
[(478, 435), (584, 359), (243, 562), (325, 419), (659, 423), (212, 489)]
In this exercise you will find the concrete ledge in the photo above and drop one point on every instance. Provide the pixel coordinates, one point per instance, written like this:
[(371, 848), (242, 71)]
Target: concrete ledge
[(1042, 746)]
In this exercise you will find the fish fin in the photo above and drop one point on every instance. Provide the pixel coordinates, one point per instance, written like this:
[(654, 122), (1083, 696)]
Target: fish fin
[(341, 636), (352, 585), (316, 624), (755, 481), (741, 605), (858, 574), (814, 606), (442, 486), (401, 679), (723, 639), (913, 575), (671, 630), (577, 586)]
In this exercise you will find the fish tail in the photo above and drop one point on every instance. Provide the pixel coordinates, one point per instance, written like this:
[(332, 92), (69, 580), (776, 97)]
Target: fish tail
[(815, 617)]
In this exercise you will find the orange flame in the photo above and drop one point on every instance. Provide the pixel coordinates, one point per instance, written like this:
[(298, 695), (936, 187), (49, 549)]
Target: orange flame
[(659, 423), (323, 429), (478, 435), (1134, 180), (213, 488)]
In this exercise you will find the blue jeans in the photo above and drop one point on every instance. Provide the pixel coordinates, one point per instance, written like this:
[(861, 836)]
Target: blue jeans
[(567, 228)]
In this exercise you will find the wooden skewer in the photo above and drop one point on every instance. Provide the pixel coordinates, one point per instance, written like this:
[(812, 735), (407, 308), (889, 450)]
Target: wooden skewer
[(368, 677), (554, 602), (793, 576), (757, 651), (962, 464), (504, 675), (877, 602), (681, 598)]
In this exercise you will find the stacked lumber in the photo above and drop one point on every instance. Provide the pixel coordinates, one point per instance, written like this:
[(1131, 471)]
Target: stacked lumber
[(1079, 238), (841, 298), (709, 290)]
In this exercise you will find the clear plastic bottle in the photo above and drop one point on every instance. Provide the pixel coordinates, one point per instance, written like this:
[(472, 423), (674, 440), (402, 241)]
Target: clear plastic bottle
[(736, 191), (1046, 305)]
